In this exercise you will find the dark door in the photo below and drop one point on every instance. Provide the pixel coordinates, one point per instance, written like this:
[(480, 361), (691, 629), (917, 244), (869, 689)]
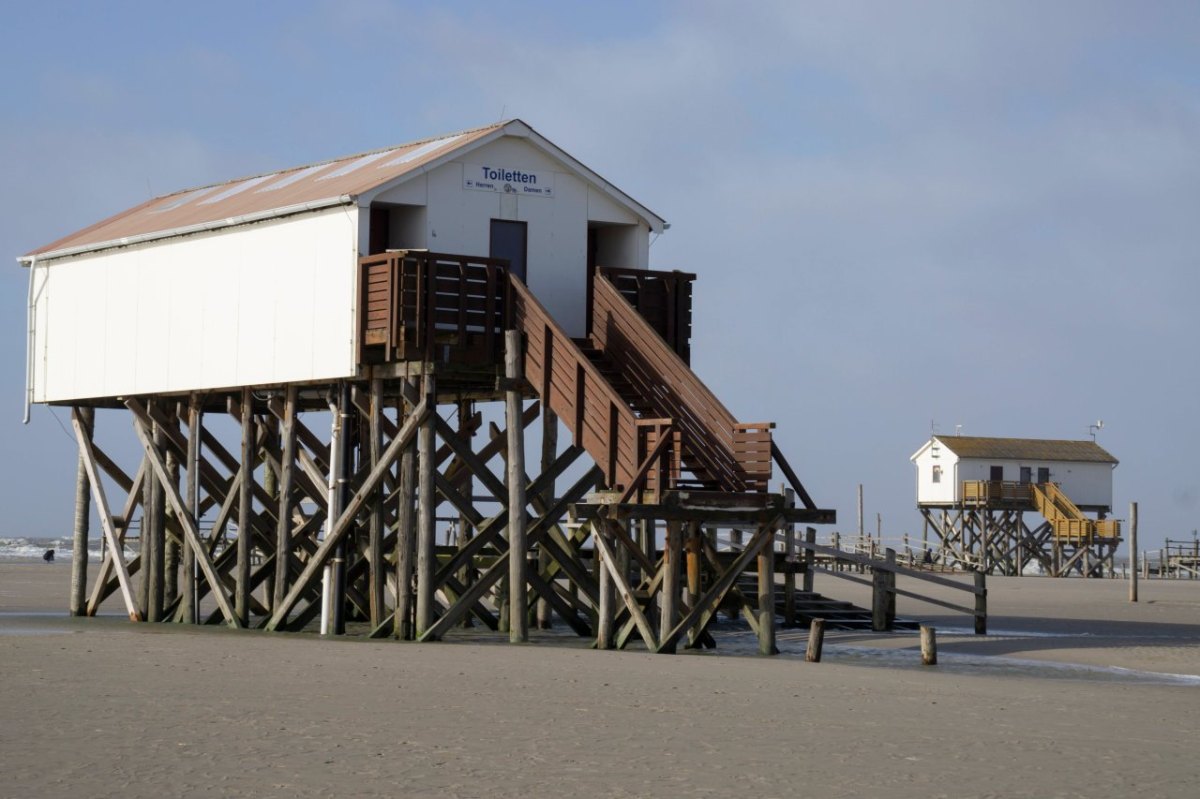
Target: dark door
[(1043, 474), (509, 240), (997, 472), (1026, 474)]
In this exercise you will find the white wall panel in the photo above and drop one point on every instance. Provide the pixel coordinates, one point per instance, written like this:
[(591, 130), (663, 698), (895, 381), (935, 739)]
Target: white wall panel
[(266, 303)]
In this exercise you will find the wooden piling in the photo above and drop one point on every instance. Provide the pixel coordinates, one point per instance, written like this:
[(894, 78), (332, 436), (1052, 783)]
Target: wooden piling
[(928, 646), (83, 517), (816, 641), (518, 582), (879, 594), (766, 597), (890, 606), (171, 552), (406, 530), (810, 537), (245, 539), (607, 605), (669, 602), (376, 578), (189, 605), (789, 575), (980, 603), (283, 529), (694, 550), (1133, 550), (426, 521)]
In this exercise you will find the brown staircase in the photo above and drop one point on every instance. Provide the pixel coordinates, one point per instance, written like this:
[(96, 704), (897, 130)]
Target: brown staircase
[(632, 402)]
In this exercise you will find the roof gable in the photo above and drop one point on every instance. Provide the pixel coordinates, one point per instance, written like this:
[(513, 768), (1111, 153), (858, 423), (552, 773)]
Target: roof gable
[(1025, 449), (353, 178)]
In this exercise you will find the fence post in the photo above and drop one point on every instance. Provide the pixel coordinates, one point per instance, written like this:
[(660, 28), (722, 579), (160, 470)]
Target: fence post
[(816, 638), (980, 603), (1133, 552)]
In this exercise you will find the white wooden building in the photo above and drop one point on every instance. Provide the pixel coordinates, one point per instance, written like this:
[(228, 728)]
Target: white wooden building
[(1082, 469), (253, 281)]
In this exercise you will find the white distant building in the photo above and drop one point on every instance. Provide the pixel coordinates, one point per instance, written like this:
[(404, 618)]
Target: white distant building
[(254, 281), (1081, 469)]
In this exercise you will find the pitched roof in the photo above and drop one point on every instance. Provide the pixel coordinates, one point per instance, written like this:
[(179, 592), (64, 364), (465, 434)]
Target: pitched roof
[(1026, 449), (288, 191)]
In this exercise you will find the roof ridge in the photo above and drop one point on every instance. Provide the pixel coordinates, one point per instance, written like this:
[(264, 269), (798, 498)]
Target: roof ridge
[(327, 161)]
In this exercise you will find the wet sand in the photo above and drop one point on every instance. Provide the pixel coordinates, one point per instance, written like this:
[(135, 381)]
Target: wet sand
[(101, 707)]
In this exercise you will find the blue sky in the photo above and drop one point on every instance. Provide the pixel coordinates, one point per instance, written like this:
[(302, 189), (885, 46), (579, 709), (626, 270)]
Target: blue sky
[(901, 213)]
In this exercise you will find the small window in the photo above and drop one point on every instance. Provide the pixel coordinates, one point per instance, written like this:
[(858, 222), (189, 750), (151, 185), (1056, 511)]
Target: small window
[(1026, 474), (937, 473), (997, 473)]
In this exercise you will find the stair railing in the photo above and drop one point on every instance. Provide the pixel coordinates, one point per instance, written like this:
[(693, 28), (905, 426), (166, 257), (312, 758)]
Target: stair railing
[(737, 456), (599, 419)]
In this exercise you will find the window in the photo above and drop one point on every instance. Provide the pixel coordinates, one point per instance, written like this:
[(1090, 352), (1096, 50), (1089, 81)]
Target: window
[(937, 473), (997, 473)]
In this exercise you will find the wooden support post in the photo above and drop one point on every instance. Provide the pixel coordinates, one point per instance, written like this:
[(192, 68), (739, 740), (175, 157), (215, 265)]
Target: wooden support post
[(245, 539), (376, 578), (980, 603), (283, 529), (816, 640), (669, 601), (145, 544), (518, 585), (402, 623), (190, 604), (426, 519), (790, 564), (928, 646), (466, 530), (83, 517), (766, 597), (879, 595), (549, 455), (890, 606), (1133, 550), (157, 532), (810, 537), (693, 576), (605, 621), (171, 553)]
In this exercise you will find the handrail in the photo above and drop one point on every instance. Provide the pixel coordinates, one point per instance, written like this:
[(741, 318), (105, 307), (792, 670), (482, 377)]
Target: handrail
[(737, 456), (600, 420), (431, 306), (663, 299)]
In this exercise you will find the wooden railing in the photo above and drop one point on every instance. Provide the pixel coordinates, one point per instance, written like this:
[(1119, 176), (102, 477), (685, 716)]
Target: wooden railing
[(716, 447), (996, 492), (1069, 523), (416, 305), (599, 419), (664, 300)]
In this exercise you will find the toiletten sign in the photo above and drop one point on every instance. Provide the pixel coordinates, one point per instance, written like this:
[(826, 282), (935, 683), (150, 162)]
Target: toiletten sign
[(507, 180)]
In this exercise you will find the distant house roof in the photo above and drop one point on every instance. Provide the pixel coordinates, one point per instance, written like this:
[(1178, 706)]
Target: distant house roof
[(1025, 449), (303, 188)]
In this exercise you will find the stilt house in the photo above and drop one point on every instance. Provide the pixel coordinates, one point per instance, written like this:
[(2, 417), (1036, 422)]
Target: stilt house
[(485, 265), (973, 492)]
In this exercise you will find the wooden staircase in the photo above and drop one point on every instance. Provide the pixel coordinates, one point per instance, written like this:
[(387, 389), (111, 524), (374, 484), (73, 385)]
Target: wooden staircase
[(634, 405), (1067, 520)]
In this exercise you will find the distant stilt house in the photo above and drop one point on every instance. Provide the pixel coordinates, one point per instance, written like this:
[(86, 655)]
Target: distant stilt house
[(974, 493), (381, 288)]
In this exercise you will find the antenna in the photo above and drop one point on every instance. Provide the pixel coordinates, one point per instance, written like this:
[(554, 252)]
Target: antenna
[(958, 429), (1094, 428)]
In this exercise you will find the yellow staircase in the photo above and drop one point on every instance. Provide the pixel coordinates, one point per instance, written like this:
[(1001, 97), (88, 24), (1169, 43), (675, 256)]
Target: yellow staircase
[(1067, 520)]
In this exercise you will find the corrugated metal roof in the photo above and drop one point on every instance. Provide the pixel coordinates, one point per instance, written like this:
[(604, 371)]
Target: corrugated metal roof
[(1026, 449), (292, 190), (260, 194)]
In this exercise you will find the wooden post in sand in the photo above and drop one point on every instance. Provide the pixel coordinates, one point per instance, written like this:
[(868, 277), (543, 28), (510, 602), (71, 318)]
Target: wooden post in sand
[(518, 581), (245, 498), (83, 517), (928, 646), (190, 607), (766, 597), (694, 553), (669, 603), (980, 603), (816, 639), (810, 557), (607, 604), (426, 523), (1133, 551), (406, 534)]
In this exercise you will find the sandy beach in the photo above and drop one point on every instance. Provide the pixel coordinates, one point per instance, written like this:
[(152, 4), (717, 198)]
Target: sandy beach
[(1072, 695)]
